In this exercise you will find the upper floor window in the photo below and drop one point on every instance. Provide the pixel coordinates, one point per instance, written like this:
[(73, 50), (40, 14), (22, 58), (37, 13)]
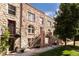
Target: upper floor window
[(30, 29), (41, 20), (49, 23), (31, 16), (11, 9)]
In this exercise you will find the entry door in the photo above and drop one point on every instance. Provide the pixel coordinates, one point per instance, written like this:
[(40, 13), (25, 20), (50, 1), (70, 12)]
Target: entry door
[(12, 30), (12, 26)]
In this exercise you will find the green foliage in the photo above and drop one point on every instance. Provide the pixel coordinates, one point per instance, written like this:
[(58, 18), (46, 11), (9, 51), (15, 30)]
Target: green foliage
[(62, 51), (4, 40), (67, 21), (71, 52)]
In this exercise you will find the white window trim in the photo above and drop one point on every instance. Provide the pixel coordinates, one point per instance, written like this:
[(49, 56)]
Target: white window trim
[(31, 19), (31, 30)]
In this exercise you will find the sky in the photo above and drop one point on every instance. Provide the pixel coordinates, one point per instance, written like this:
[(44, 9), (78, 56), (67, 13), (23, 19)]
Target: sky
[(48, 8)]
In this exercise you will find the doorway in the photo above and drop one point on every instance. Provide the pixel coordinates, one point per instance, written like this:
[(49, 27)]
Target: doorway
[(12, 30)]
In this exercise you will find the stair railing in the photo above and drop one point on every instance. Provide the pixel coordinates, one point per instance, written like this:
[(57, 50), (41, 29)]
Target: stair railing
[(34, 41)]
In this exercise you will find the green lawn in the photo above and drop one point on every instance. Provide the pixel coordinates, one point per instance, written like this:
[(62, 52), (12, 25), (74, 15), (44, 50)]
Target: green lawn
[(62, 51)]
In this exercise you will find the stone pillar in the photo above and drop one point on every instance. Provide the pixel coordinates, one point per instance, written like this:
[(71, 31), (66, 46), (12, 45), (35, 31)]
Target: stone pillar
[(42, 33), (50, 38), (42, 39)]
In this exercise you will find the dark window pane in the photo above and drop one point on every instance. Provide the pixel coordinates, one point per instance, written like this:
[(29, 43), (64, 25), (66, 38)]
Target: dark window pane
[(11, 9), (30, 29)]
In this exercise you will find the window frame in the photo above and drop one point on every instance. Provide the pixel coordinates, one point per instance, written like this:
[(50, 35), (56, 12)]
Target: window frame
[(49, 23), (31, 29), (11, 9), (32, 17)]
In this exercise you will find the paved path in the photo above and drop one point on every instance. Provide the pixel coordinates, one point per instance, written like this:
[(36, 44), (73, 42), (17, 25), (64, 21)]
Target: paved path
[(30, 52), (70, 43)]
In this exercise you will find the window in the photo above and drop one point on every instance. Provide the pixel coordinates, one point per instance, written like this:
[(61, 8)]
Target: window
[(49, 23), (41, 20), (53, 26), (31, 16), (30, 29), (11, 9)]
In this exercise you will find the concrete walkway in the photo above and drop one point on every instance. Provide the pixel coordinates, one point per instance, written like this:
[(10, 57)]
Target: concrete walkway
[(70, 43), (31, 52)]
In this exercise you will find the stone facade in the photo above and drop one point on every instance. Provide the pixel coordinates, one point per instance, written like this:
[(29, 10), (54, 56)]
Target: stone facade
[(26, 22), (4, 17), (49, 25)]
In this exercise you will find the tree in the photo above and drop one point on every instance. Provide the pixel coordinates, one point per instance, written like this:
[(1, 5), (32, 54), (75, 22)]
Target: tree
[(67, 21)]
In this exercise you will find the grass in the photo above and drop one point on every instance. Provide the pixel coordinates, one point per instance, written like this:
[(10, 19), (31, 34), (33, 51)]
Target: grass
[(62, 51)]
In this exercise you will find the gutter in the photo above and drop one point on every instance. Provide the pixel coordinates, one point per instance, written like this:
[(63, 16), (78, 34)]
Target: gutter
[(20, 23)]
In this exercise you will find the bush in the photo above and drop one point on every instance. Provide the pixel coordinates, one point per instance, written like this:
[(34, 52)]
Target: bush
[(4, 40)]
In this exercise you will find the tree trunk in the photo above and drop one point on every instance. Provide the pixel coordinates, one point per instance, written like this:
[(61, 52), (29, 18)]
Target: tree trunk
[(65, 41), (74, 42)]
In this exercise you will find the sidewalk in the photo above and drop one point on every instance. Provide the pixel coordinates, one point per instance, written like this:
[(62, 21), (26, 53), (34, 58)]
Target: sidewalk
[(31, 52)]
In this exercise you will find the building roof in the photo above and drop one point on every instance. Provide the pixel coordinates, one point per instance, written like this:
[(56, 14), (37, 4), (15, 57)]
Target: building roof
[(35, 8), (39, 10)]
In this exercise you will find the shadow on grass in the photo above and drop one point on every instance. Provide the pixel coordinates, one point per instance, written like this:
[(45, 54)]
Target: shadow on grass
[(62, 51)]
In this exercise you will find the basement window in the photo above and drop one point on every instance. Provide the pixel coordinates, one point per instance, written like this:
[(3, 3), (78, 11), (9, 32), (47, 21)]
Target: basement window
[(11, 9)]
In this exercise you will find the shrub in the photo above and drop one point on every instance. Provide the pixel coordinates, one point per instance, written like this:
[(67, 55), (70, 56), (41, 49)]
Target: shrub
[(4, 40)]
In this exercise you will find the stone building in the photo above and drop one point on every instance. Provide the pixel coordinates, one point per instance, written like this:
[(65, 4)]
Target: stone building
[(30, 23), (49, 26), (10, 17)]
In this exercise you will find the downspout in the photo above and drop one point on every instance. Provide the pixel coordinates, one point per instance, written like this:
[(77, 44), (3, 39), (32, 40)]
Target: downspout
[(20, 23)]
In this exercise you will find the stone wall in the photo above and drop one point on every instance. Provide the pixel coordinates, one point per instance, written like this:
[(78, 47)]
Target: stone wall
[(50, 27), (26, 23), (47, 24), (4, 17)]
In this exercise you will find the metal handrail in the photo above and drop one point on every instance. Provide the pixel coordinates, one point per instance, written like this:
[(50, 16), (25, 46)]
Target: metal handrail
[(34, 41)]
